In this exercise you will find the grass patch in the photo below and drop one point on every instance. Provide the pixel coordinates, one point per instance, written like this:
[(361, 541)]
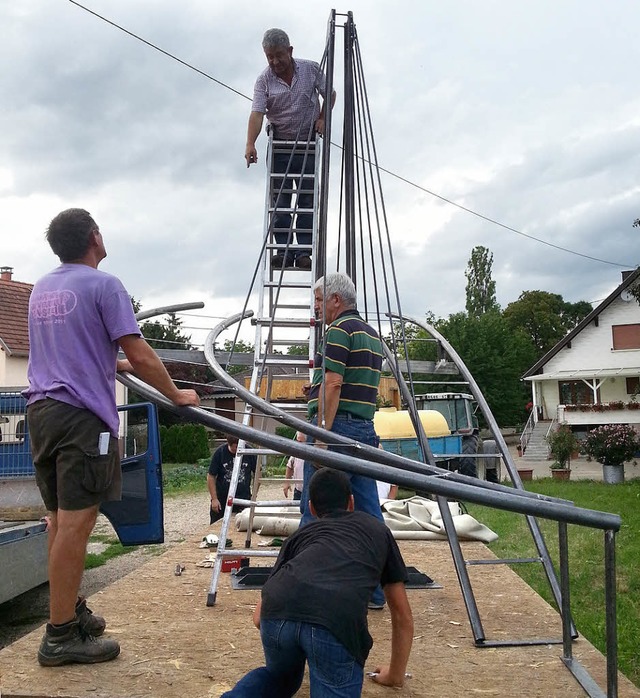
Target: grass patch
[(586, 563), (114, 549)]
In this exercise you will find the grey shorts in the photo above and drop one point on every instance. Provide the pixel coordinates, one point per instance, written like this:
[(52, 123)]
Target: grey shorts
[(70, 472)]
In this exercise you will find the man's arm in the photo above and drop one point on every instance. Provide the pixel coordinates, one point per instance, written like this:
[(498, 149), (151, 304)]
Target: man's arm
[(213, 493), (256, 614), (147, 366), (329, 398), (320, 120), (401, 636), (253, 131)]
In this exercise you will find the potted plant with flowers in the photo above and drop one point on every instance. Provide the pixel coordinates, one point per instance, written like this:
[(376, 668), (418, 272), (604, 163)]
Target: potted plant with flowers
[(612, 445), (562, 443)]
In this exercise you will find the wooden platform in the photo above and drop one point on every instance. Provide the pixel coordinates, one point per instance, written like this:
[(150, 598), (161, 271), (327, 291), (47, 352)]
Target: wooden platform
[(174, 646)]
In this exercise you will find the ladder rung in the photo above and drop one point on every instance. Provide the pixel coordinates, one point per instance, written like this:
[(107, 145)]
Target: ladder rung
[(284, 322), (297, 145), (293, 306), (273, 209), (289, 248), (291, 406), (281, 175), (288, 284), (304, 363), (266, 502), (504, 561), (287, 342)]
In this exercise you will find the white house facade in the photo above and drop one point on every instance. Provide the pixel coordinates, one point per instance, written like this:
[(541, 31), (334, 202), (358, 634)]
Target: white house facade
[(592, 375)]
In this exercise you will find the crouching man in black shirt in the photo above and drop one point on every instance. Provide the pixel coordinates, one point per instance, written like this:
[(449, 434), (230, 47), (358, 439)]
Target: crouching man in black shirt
[(314, 604)]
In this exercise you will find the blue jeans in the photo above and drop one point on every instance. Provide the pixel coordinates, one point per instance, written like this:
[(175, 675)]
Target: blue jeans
[(304, 186), (333, 671), (364, 489)]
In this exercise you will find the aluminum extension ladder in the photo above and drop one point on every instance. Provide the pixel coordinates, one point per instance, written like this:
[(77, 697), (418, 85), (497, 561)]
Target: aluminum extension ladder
[(284, 318)]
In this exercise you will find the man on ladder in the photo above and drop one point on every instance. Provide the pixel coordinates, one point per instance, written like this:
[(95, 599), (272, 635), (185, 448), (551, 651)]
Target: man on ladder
[(288, 91)]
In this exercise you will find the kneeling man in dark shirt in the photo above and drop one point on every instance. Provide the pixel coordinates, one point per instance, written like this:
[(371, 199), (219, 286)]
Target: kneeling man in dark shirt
[(314, 604)]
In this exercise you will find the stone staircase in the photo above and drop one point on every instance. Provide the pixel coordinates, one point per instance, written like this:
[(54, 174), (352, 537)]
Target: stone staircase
[(537, 448)]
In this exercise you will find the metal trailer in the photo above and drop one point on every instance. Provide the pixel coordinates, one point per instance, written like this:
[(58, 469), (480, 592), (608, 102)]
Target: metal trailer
[(137, 518)]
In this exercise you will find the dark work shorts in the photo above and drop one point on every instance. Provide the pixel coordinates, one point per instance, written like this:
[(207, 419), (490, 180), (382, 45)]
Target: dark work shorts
[(70, 472)]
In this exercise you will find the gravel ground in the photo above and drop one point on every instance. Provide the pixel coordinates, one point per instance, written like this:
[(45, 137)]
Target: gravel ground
[(183, 516)]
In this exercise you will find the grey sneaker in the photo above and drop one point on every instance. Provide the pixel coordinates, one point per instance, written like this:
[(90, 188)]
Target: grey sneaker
[(89, 622), (74, 646)]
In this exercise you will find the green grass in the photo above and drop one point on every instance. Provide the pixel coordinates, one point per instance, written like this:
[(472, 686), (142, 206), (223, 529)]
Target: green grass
[(114, 549), (586, 559)]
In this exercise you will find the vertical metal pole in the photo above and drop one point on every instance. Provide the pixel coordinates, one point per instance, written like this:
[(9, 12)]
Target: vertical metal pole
[(565, 602), (610, 612), (348, 146), (323, 200)]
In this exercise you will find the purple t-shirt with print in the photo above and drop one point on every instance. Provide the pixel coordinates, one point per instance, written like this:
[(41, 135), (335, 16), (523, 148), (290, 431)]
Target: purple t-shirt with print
[(77, 314)]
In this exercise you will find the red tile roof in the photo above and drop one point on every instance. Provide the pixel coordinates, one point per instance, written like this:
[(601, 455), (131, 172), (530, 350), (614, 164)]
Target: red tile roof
[(14, 314)]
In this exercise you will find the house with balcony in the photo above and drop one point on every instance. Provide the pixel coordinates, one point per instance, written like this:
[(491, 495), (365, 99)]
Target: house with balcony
[(591, 376)]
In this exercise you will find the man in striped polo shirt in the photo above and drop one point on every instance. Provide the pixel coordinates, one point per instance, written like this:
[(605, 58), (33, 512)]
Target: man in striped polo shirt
[(343, 392)]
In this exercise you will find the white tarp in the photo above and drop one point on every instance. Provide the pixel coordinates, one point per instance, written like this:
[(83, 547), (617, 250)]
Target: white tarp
[(416, 518)]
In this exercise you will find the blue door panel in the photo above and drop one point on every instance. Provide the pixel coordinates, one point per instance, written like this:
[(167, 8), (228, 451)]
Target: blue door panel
[(138, 518)]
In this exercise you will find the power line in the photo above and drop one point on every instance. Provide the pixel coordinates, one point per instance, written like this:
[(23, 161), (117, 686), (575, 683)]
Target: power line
[(488, 219), (161, 50)]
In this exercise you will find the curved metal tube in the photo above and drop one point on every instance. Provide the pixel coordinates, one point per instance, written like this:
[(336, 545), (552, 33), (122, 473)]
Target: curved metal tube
[(164, 309), (375, 455), (509, 501)]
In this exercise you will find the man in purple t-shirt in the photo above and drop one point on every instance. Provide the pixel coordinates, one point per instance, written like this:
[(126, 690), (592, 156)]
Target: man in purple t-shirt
[(78, 317)]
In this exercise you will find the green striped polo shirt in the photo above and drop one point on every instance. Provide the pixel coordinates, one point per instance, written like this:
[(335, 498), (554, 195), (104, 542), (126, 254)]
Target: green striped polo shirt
[(353, 349)]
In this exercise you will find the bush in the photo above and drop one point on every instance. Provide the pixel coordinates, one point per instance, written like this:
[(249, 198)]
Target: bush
[(611, 444), (184, 443), (562, 443)]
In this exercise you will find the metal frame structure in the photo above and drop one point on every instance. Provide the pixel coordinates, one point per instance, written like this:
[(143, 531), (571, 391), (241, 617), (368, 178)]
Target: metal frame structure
[(562, 512)]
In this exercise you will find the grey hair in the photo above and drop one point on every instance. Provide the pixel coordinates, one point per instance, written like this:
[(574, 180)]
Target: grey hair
[(275, 38), (340, 285)]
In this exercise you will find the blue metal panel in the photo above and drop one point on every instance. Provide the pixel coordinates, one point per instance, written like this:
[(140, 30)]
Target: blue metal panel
[(409, 448), (138, 518)]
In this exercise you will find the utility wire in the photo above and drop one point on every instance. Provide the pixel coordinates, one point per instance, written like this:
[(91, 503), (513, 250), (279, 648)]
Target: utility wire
[(157, 48), (382, 169)]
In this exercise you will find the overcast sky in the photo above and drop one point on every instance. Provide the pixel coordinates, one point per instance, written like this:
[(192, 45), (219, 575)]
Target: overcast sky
[(528, 113)]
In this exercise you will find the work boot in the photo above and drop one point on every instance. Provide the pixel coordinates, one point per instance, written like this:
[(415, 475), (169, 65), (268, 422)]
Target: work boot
[(303, 262), (89, 622), (69, 644)]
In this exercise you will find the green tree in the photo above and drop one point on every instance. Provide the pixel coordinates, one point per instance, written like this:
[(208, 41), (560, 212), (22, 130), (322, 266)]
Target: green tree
[(481, 288), (496, 357), (166, 335), (545, 317), (237, 347)]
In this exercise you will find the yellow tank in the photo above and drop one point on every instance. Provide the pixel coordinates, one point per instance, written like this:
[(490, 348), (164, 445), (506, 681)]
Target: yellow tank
[(396, 424)]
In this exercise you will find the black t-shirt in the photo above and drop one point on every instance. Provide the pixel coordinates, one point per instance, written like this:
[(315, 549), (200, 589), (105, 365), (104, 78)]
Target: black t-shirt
[(325, 574), (221, 468)]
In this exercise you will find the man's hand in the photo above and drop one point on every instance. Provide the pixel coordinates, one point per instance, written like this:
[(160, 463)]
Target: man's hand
[(251, 155), (383, 676), (320, 125), (124, 365), (186, 398), (286, 489), (215, 505)]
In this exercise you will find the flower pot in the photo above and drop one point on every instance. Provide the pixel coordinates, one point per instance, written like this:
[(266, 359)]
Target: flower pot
[(612, 474), (525, 473), (561, 473)]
